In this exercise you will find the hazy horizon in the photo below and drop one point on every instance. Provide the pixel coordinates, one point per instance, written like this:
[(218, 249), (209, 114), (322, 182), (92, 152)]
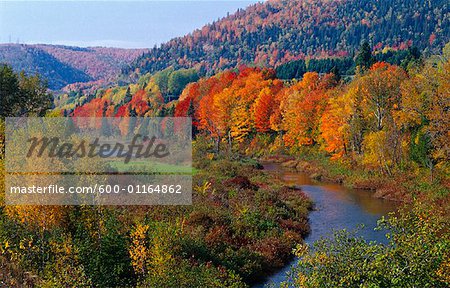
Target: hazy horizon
[(118, 24)]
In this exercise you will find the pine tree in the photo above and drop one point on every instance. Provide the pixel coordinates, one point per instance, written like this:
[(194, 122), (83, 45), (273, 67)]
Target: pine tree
[(336, 73), (364, 58), (128, 96)]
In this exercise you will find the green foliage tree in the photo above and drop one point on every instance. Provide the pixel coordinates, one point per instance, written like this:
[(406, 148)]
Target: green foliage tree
[(22, 95), (421, 149), (103, 247), (179, 79), (9, 89), (106, 129), (161, 79), (364, 59), (336, 74), (169, 129)]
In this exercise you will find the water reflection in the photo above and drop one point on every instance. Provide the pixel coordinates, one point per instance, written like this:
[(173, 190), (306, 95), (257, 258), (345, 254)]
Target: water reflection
[(335, 193)]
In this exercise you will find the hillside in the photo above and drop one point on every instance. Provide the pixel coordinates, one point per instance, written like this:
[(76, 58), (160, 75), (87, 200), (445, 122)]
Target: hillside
[(97, 62), (63, 65), (33, 60), (278, 31)]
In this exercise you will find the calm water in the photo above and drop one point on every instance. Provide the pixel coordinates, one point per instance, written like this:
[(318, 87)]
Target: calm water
[(335, 207)]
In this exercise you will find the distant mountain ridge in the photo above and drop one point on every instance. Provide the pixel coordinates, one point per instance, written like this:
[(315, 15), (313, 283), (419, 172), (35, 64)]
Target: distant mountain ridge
[(267, 34), (277, 31), (33, 60), (64, 65)]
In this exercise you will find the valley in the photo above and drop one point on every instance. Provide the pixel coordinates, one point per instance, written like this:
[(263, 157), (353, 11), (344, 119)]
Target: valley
[(309, 119)]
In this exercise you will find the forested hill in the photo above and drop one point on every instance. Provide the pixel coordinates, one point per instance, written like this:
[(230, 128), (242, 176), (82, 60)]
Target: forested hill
[(63, 65), (277, 31), (36, 61)]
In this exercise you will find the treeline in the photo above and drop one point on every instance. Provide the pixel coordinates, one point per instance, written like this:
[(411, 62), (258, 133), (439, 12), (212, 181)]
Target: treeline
[(165, 85), (346, 65), (275, 32), (170, 82), (384, 119)]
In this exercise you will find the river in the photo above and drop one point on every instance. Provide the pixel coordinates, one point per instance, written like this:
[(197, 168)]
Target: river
[(335, 207)]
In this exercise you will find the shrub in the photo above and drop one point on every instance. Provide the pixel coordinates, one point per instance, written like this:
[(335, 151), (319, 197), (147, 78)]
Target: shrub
[(416, 256)]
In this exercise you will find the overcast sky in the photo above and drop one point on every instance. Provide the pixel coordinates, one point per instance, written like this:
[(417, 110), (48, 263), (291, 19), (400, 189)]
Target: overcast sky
[(126, 24)]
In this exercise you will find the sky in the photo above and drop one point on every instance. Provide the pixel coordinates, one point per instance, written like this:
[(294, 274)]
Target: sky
[(124, 24)]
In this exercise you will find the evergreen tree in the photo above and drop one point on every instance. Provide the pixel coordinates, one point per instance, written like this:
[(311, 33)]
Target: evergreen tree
[(191, 110), (336, 73), (128, 96), (131, 122), (170, 111), (364, 58)]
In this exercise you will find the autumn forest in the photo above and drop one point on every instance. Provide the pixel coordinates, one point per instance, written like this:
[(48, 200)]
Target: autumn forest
[(368, 113)]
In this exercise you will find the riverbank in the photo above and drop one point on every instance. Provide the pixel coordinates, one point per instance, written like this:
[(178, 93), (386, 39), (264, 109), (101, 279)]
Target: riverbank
[(265, 220), (415, 253), (336, 207), (403, 186)]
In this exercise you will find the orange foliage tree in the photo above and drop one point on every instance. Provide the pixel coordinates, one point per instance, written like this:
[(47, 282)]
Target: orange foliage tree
[(303, 109)]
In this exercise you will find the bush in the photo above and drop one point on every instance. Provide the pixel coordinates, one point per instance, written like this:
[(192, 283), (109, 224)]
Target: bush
[(417, 255)]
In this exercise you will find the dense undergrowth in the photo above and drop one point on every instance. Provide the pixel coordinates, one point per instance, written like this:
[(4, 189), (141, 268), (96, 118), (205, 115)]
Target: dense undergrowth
[(242, 225), (417, 255)]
